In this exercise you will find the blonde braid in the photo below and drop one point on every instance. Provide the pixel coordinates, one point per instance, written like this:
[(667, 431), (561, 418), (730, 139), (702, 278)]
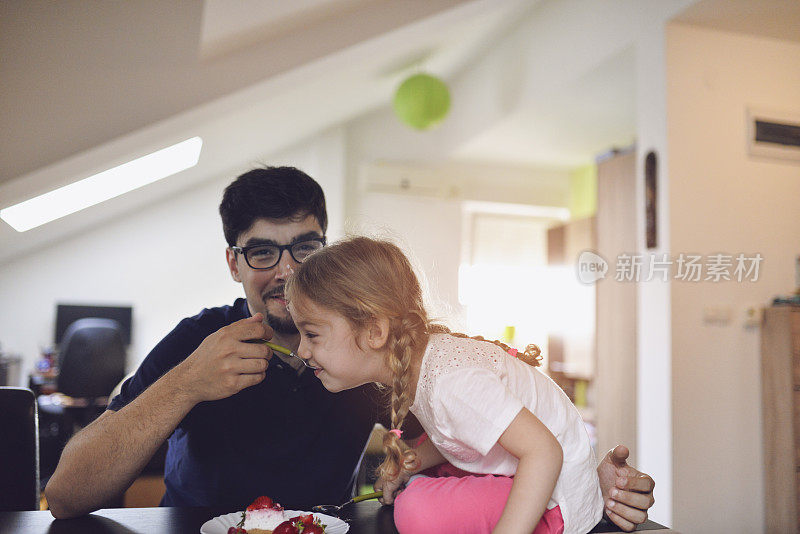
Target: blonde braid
[(532, 355), (408, 335)]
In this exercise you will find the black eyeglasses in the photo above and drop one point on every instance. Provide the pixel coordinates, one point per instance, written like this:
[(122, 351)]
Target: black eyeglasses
[(267, 256)]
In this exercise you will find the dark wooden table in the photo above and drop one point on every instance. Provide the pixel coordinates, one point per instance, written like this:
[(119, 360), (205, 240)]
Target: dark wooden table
[(364, 518)]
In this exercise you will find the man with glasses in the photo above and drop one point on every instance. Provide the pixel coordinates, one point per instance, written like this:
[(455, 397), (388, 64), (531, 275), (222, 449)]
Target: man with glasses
[(242, 421)]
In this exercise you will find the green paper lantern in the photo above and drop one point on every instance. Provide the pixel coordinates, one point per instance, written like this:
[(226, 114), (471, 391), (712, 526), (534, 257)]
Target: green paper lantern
[(422, 101)]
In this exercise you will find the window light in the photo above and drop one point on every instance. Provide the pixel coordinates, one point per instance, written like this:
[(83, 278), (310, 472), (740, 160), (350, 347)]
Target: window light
[(103, 186)]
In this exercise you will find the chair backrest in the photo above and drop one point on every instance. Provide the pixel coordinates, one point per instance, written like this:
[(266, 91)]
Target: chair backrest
[(92, 358), (19, 450)]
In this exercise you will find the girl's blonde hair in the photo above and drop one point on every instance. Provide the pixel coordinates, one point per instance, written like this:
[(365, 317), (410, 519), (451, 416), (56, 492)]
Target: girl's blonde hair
[(362, 279)]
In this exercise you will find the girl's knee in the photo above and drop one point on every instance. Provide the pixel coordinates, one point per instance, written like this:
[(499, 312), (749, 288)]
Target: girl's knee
[(419, 508), (412, 509)]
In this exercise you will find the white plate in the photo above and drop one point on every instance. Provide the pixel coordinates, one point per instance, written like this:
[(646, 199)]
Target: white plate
[(221, 524)]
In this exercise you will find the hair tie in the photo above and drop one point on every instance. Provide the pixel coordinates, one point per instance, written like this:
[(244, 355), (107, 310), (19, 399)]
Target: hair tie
[(396, 432), (513, 352)]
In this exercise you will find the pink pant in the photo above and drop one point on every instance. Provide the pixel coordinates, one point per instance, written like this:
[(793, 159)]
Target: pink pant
[(460, 504)]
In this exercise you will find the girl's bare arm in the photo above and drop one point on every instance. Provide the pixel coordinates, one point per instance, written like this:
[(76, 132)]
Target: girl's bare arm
[(540, 457)]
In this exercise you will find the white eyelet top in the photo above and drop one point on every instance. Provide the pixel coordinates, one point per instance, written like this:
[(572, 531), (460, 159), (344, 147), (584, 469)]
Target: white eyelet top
[(468, 393)]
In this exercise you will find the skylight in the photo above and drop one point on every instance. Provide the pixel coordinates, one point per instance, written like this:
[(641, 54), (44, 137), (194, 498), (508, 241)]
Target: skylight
[(103, 186)]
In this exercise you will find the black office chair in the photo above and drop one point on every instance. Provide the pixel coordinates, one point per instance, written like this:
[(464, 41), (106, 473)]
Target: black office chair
[(91, 363), (19, 450), (91, 359)]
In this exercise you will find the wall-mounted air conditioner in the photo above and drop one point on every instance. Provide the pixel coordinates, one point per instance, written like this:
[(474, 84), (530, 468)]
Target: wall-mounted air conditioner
[(401, 179)]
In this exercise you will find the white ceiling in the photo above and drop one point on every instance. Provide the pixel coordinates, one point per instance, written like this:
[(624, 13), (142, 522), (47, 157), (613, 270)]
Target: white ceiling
[(569, 127), (573, 125)]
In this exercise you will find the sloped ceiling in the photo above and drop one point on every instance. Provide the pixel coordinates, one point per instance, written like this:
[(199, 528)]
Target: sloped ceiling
[(567, 128), (77, 74), (94, 85)]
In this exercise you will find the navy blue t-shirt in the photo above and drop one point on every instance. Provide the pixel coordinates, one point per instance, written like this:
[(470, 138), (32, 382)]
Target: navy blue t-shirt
[(286, 437)]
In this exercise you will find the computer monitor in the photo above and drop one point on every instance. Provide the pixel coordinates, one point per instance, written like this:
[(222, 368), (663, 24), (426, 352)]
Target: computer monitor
[(66, 314)]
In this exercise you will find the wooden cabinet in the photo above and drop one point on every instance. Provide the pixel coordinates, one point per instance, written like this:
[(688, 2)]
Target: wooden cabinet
[(780, 382), (617, 326)]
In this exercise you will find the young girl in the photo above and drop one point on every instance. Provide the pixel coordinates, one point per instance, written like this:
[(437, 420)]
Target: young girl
[(485, 408)]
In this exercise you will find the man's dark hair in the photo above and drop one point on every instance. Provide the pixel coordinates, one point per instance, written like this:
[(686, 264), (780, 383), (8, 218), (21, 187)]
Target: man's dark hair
[(270, 193)]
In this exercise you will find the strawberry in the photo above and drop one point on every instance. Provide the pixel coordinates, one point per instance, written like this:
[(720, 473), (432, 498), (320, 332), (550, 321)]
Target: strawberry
[(287, 527), (313, 528), (305, 524), (261, 503), (236, 530), (307, 519)]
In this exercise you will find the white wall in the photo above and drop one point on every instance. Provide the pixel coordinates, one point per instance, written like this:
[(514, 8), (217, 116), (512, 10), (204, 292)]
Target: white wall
[(653, 452), (429, 230), (167, 261), (722, 200)]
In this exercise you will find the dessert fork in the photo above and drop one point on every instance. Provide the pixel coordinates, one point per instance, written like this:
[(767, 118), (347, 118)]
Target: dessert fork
[(333, 509), (284, 350)]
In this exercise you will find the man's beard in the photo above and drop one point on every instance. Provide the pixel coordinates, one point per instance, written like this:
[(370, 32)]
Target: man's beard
[(281, 325)]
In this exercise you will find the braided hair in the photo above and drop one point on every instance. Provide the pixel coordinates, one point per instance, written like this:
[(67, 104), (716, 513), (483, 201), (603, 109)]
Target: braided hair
[(532, 355)]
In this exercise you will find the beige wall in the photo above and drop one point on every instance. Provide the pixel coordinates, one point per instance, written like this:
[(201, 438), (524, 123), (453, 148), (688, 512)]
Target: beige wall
[(724, 201)]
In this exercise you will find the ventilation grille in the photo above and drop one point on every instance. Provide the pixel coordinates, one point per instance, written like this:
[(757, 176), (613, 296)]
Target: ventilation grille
[(773, 135), (778, 134)]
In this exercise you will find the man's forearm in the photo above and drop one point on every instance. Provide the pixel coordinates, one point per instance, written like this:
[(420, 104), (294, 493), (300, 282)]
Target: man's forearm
[(103, 459)]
